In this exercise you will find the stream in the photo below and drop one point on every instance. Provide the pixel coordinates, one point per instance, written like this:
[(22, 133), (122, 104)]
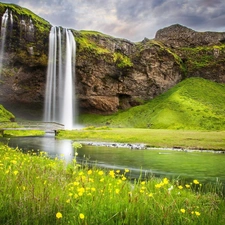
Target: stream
[(204, 166)]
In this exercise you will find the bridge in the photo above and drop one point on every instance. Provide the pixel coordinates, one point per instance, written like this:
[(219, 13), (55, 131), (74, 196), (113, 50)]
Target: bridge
[(48, 127)]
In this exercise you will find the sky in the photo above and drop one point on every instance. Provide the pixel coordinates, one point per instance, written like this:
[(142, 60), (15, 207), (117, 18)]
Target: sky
[(129, 19)]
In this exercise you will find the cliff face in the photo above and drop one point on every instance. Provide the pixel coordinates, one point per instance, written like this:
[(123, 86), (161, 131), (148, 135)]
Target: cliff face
[(111, 73)]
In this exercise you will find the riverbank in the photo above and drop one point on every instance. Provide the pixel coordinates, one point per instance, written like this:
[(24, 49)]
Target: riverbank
[(50, 192), (151, 138)]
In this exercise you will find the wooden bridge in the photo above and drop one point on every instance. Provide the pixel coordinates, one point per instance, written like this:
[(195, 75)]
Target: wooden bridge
[(48, 127)]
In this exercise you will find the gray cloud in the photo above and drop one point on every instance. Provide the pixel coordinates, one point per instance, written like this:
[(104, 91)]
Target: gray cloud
[(130, 19)]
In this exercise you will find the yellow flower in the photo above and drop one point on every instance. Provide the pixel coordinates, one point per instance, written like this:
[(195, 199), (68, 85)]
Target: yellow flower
[(182, 210), (111, 173), (58, 215), (15, 172), (100, 173), (150, 195), (187, 186), (81, 216), (126, 170), (89, 172), (180, 187), (117, 191), (117, 171), (165, 181), (158, 185), (124, 178), (195, 181), (197, 213)]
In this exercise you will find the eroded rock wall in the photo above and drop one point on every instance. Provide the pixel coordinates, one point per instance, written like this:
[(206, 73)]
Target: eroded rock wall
[(111, 73)]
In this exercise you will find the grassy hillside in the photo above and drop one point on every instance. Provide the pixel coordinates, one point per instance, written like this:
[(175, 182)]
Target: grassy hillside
[(5, 116), (193, 104)]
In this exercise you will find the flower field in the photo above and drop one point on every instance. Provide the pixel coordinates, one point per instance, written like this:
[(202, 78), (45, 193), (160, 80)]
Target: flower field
[(38, 190)]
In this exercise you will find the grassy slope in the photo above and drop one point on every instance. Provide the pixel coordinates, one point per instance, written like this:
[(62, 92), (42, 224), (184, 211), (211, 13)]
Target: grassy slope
[(193, 104), (5, 116)]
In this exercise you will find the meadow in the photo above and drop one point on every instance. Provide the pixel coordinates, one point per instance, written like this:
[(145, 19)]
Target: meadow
[(38, 190), (190, 139)]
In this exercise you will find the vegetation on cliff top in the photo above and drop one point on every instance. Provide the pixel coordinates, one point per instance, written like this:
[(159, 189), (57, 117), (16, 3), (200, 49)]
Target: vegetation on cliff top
[(39, 22), (193, 104), (5, 115), (203, 56)]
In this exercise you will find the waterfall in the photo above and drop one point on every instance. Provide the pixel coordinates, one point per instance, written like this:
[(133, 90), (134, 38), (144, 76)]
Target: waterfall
[(60, 87), (4, 27)]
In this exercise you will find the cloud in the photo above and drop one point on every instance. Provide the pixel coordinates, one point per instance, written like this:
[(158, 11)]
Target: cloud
[(130, 19)]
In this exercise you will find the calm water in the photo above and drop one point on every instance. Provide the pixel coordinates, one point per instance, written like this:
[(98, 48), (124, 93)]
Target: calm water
[(190, 165)]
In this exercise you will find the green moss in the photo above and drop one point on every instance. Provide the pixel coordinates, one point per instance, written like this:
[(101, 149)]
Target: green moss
[(202, 56), (162, 47), (121, 60), (41, 24), (193, 104), (5, 115)]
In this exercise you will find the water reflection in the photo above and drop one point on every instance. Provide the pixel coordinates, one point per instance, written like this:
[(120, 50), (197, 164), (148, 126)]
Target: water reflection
[(55, 148), (191, 165)]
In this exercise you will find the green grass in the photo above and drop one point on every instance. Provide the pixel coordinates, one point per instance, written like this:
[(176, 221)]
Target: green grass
[(37, 190), (5, 115), (193, 104), (151, 137)]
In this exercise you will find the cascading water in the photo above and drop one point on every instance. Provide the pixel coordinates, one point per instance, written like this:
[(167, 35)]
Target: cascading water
[(6, 16), (60, 105)]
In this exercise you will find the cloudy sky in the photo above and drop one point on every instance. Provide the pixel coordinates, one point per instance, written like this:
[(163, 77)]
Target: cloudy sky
[(130, 19)]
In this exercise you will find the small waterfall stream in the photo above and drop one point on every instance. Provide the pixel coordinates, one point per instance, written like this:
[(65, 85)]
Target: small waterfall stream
[(60, 87), (7, 17)]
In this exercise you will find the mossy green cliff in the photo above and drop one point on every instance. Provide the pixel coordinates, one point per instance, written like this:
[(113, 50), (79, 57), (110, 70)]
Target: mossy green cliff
[(111, 74)]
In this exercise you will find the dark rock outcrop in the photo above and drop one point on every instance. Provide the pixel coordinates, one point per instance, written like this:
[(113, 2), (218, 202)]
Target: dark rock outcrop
[(111, 73)]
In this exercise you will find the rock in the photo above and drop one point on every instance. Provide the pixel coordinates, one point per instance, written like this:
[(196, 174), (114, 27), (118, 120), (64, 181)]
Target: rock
[(111, 73)]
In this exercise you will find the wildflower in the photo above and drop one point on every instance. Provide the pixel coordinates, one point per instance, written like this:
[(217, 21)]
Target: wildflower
[(126, 170), (159, 185), (15, 172), (195, 181), (117, 191), (182, 210), (81, 216), (197, 213), (180, 187), (187, 186), (89, 172), (58, 215), (150, 195), (93, 189), (143, 183), (117, 171), (111, 173), (100, 173), (165, 181), (170, 189), (123, 178)]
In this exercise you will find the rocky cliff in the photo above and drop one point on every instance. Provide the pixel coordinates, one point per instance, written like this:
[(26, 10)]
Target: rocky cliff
[(111, 73)]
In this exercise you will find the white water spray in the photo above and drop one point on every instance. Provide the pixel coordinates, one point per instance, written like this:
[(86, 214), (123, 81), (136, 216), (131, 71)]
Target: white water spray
[(60, 86), (4, 26)]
